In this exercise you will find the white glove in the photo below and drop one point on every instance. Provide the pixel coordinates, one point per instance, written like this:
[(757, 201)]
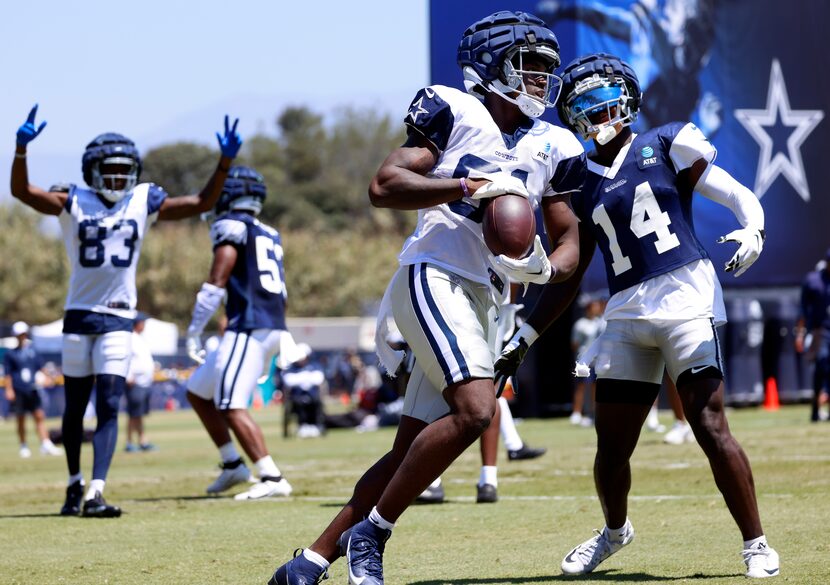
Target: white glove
[(501, 185), (534, 268), (750, 242), (195, 349)]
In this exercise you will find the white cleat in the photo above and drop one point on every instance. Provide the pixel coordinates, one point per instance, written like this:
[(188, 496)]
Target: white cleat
[(587, 556), (25, 452), (232, 474), (680, 433), (48, 448), (761, 561), (266, 488)]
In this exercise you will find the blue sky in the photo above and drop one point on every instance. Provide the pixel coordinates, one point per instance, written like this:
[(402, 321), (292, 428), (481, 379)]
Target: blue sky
[(160, 71)]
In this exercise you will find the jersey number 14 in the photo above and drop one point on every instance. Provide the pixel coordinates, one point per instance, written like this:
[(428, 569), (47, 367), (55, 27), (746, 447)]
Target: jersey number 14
[(646, 218)]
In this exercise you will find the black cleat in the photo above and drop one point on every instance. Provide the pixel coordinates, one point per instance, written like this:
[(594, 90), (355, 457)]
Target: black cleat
[(298, 571), (97, 507), (431, 495), (486, 494), (74, 495), (525, 452)]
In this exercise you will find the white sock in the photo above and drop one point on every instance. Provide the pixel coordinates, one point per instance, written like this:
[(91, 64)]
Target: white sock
[(228, 452), (489, 474), (315, 558), (616, 534), (266, 466), (96, 485), (379, 520), (77, 477), (507, 427), (755, 542), (436, 483)]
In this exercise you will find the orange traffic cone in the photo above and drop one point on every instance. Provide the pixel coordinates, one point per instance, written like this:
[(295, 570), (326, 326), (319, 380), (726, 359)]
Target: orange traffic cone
[(771, 395)]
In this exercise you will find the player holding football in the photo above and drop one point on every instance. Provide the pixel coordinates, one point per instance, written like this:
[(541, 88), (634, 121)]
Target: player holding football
[(247, 263), (666, 299), (103, 228), (461, 149)]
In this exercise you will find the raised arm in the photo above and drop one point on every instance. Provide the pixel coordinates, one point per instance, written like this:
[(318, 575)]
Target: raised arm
[(174, 208), (47, 202)]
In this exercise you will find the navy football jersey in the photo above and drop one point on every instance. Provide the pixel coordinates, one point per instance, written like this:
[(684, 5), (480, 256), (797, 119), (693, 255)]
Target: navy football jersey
[(638, 210), (256, 289)]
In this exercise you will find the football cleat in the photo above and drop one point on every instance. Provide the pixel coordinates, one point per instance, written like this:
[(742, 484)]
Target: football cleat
[(74, 495), (587, 556), (431, 495), (97, 507), (266, 488), (298, 571), (25, 452), (525, 452), (363, 545), (48, 448), (233, 473), (486, 494), (680, 433), (761, 561)]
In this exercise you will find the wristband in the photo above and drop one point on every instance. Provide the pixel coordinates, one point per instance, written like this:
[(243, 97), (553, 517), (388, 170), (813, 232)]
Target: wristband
[(526, 332), (19, 155), (464, 188)]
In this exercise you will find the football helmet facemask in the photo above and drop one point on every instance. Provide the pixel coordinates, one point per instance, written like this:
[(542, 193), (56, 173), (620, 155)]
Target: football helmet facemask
[(599, 84), (494, 54), (101, 155), (244, 190)]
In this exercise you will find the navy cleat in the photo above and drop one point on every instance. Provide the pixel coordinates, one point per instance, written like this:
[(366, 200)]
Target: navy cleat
[(74, 495), (363, 546), (97, 507), (298, 571)]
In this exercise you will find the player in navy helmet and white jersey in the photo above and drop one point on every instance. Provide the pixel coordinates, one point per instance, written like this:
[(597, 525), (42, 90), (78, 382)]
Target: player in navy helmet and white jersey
[(461, 149), (666, 299), (247, 264), (103, 226)]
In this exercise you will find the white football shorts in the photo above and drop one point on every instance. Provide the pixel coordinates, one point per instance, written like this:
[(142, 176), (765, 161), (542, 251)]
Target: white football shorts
[(639, 349), (103, 353), (240, 361), (449, 323), (202, 381)]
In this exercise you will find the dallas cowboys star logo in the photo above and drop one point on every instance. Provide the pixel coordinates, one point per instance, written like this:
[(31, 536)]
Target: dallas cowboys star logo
[(777, 114), (416, 109)]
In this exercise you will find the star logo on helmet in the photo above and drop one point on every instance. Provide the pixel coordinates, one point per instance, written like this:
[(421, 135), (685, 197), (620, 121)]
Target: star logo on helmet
[(772, 163), (416, 109)]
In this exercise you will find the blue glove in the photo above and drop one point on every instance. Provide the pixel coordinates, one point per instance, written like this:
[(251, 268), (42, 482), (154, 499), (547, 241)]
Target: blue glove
[(231, 142), (27, 132)]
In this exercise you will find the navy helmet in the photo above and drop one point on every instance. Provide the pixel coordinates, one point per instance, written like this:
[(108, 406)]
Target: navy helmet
[(244, 190), (594, 84), (493, 53), (111, 149)]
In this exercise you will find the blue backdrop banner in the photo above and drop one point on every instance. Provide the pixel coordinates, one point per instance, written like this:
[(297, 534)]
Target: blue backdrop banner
[(747, 72)]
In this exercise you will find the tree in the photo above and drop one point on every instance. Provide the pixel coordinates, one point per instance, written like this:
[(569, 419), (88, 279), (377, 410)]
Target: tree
[(180, 168)]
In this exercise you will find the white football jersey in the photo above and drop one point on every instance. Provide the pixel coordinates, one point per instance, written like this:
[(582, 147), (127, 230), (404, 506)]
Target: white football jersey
[(548, 159), (103, 244)]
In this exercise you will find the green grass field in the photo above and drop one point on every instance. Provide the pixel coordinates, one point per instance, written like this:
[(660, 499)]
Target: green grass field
[(171, 533)]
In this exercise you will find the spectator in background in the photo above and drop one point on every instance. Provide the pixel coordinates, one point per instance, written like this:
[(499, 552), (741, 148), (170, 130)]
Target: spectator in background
[(585, 330), (139, 386), (22, 366), (812, 336), (304, 383)]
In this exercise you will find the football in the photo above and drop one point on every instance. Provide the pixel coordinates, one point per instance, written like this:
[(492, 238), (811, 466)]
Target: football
[(509, 225)]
